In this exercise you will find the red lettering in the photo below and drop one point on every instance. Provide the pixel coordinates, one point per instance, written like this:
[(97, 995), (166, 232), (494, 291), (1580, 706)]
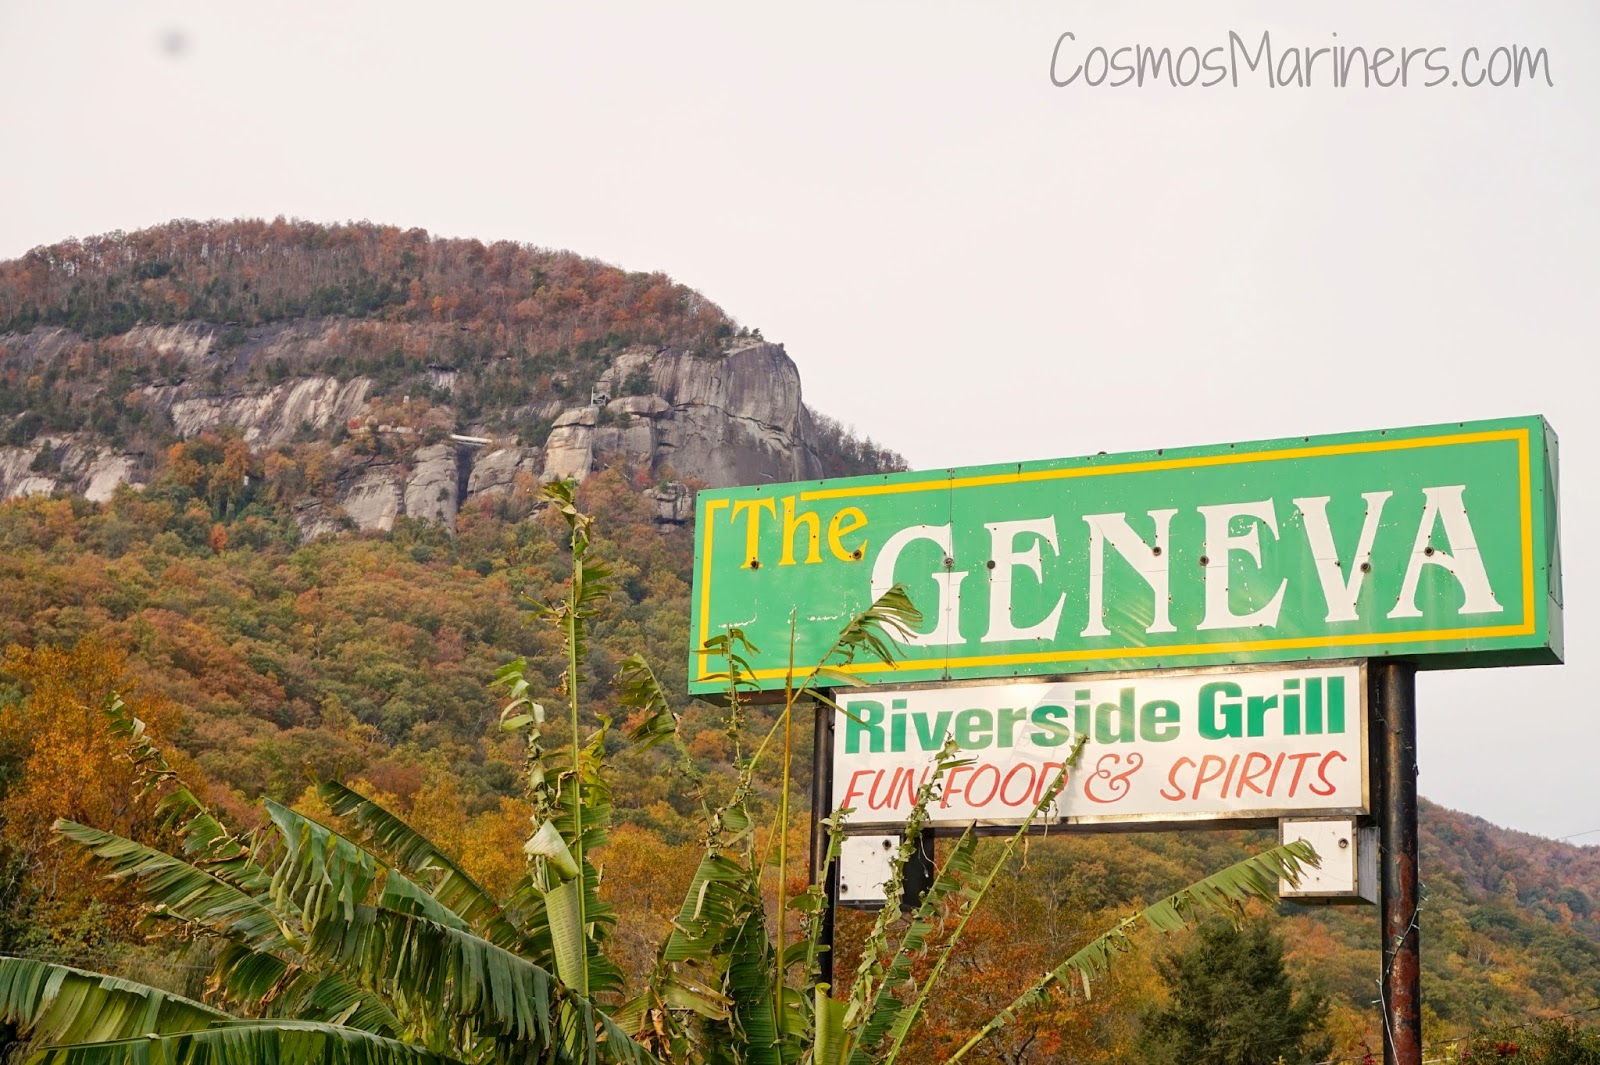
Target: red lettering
[(973, 784), (904, 781), (850, 792), (1026, 792), (1299, 761), (1046, 778), (1227, 780), (875, 803), (1322, 773), (1172, 781), (1247, 776), (1201, 779), (950, 784), (1116, 784), (1276, 768)]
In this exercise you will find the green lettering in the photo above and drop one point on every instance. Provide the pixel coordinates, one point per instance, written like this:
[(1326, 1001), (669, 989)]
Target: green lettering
[(1123, 710), (1230, 725), (865, 719), (1291, 707), (1158, 721), (1335, 704), (1257, 713), (897, 726), (932, 741), (1008, 719), (1050, 728), (974, 729)]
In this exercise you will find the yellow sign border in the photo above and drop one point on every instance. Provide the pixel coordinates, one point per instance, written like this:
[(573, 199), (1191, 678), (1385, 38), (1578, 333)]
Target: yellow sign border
[(1525, 469)]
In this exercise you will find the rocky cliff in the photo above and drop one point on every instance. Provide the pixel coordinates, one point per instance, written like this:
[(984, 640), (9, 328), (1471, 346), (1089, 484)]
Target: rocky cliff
[(732, 418), (375, 373)]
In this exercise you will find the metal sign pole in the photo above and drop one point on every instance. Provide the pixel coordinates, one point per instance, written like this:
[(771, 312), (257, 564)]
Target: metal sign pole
[(822, 806), (1394, 687)]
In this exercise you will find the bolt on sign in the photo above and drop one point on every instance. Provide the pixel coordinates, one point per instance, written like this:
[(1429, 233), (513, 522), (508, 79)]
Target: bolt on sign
[(1229, 743), (1437, 543)]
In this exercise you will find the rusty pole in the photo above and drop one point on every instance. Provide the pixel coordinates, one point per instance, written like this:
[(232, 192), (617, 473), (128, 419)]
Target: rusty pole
[(822, 806), (1394, 686)]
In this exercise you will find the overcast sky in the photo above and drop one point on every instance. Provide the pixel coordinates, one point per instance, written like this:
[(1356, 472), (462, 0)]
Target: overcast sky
[(969, 263)]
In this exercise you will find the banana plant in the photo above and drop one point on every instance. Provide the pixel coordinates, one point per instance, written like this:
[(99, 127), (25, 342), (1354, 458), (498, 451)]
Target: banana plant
[(331, 950), (365, 942)]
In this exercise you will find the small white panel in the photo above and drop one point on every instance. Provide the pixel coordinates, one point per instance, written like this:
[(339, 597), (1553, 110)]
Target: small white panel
[(865, 863), (1349, 861), (1367, 864)]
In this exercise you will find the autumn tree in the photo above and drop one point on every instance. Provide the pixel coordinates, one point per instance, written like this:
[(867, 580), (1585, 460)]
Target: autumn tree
[(215, 468), (62, 761)]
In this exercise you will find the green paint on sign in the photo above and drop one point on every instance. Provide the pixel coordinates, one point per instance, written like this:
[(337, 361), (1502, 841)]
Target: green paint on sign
[(1436, 543)]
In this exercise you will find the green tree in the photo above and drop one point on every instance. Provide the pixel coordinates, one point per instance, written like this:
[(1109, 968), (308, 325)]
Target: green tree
[(1552, 1042), (1232, 1003)]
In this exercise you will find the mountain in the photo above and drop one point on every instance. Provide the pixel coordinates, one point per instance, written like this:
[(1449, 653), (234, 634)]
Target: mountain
[(413, 373), (270, 384)]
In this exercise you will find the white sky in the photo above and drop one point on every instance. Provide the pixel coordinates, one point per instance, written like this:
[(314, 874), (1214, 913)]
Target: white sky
[(967, 263)]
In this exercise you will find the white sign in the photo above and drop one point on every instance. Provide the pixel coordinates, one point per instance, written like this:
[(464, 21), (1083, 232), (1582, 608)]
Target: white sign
[(1203, 745)]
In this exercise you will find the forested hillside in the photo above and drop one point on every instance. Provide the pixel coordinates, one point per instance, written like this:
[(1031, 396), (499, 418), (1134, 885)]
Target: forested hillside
[(269, 654), (369, 657)]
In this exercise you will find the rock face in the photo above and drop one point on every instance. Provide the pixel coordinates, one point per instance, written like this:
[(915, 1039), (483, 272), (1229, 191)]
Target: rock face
[(433, 489), (726, 419), (569, 452), (268, 418), (373, 501), (738, 420), (63, 463), (735, 419), (497, 470)]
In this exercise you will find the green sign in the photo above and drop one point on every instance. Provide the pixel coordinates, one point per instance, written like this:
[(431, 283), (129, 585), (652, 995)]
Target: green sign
[(1437, 543)]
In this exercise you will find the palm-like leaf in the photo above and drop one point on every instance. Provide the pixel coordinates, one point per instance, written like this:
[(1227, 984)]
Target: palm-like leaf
[(477, 989), (59, 1004), (250, 970), (406, 849), (972, 896), (1256, 877), (319, 869), (637, 687), (248, 1043), (270, 986), (205, 839), (874, 1000), (874, 632), (571, 916), (173, 885), (875, 983), (591, 585), (749, 988)]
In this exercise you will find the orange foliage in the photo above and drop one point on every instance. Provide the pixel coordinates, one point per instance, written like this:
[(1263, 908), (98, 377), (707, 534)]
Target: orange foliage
[(645, 878), (284, 269), (72, 765)]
